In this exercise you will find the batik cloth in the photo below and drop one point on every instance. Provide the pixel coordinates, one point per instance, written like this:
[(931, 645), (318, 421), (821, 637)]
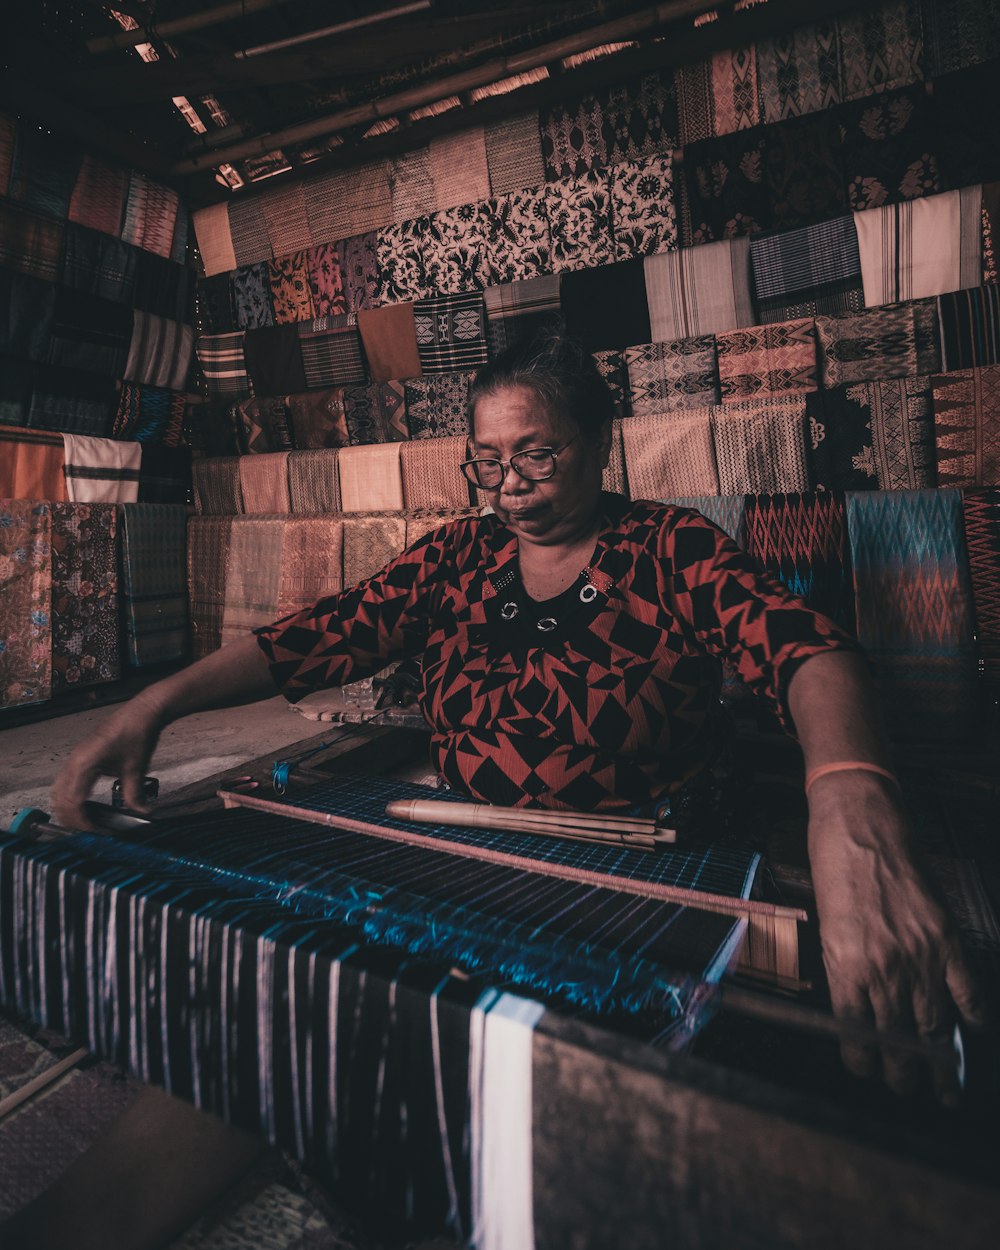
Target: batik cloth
[(718, 95), (359, 269), (376, 413), (253, 575), (914, 608), (252, 297), (262, 425), (284, 209), (891, 148), (314, 481), (605, 308), (458, 168), (798, 71), (431, 474), (27, 308), (411, 185), (451, 333), (815, 269), (318, 418), (663, 377), (43, 171), (400, 252), (30, 244), (101, 470), (981, 509), (223, 364), (326, 284), (517, 237), (154, 582), (160, 352), (26, 581), (291, 294), (208, 547), (840, 440), (514, 153), (881, 48), (454, 250), (312, 561), (894, 341), (217, 489), (927, 247), (699, 290), (670, 454), (73, 401), (967, 427), (371, 479), (643, 216), (726, 187), (165, 474), (902, 432), (572, 138), (331, 351), (98, 199), (804, 171), (371, 540), (97, 264), (215, 239), (970, 328), (760, 446), (611, 367), (90, 333), (86, 642), (149, 414), (518, 309), (579, 211), (264, 483), (437, 405), (776, 359), (274, 360), (391, 341), (639, 117), (216, 309)]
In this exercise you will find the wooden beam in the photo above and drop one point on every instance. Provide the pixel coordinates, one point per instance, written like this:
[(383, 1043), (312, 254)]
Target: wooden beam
[(231, 12)]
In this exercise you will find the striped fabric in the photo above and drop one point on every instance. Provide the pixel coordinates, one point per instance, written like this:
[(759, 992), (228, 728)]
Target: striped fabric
[(314, 481), (264, 483), (760, 446), (86, 641), (217, 488), (777, 359), (26, 624), (253, 575), (208, 540), (699, 290), (718, 95), (371, 478), (815, 269), (967, 427), (970, 328), (981, 513), (371, 540), (154, 582), (223, 363), (663, 377), (312, 562), (215, 239), (101, 470), (514, 153), (331, 351), (670, 455), (431, 474), (458, 168), (451, 332), (160, 352), (98, 199), (318, 418)]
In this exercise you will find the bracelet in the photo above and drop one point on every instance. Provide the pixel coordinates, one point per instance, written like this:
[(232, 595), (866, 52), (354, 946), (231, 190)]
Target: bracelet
[(843, 766)]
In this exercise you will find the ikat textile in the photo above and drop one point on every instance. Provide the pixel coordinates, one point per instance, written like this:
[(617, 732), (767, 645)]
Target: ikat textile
[(160, 352), (804, 174), (252, 297), (880, 48), (98, 264), (890, 148), (958, 33), (668, 455), (605, 308), (182, 232), (149, 414), (776, 359), (401, 275), (73, 401), (815, 269), (150, 215), (165, 474), (249, 231), (840, 440), (517, 238), (642, 206), (274, 360), (614, 478), (43, 172), (431, 474), (798, 71), (391, 339), (718, 95), (359, 269), (519, 309), (927, 247), (30, 244), (215, 305), (312, 562), (371, 540), (376, 414), (86, 643), (331, 351), (253, 575), (264, 483), (967, 117), (914, 607), (451, 333), (728, 512), (893, 341), (164, 287), (217, 489), (579, 211), (437, 406), (208, 551), (903, 432), (223, 364), (514, 154), (573, 139), (27, 308), (284, 210), (314, 481), (89, 333), (458, 168), (411, 185), (663, 377), (326, 284), (318, 418), (154, 582), (26, 583), (639, 117), (802, 540), (262, 425), (970, 328), (98, 199), (967, 427), (611, 367), (726, 187), (371, 478), (215, 239), (101, 470), (982, 540), (760, 446), (454, 250), (291, 295), (699, 290)]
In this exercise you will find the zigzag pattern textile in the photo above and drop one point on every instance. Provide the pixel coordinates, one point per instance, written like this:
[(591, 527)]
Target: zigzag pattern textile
[(799, 71), (981, 509), (967, 427), (154, 582), (728, 512), (776, 359), (896, 341), (149, 414), (666, 376)]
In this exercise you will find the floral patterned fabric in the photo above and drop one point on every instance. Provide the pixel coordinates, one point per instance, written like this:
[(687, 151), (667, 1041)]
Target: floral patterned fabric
[(839, 439), (667, 376), (804, 171), (573, 139), (579, 211), (399, 249), (26, 624), (326, 284), (86, 644), (726, 188), (455, 250), (359, 270), (517, 238), (437, 406), (890, 149), (252, 297), (642, 206), (290, 292)]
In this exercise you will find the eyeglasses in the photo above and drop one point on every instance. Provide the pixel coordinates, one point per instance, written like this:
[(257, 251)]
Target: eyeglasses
[(535, 464)]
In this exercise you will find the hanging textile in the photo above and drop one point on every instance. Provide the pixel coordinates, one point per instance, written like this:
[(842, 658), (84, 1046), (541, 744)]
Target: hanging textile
[(699, 290), (31, 464), (86, 644), (572, 138), (72, 401), (798, 71), (165, 474), (728, 512), (666, 376), (776, 359), (411, 185), (958, 34), (431, 474), (970, 328), (458, 168), (614, 477), (514, 153), (101, 470), (606, 308), (30, 244), (639, 117), (349, 202), (840, 440), (284, 209), (160, 352), (390, 339), (893, 341), (149, 414), (264, 482), (371, 479), (967, 117), (331, 351), (376, 413), (967, 427), (815, 269), (903, 432), (253, 575), (312, 561), (371, 540), (451, 333), (718, 95), (215, 239), (359, 269), (217, 487), (318, 418), (804, 171), (454, 250), (579, 212), (890, 148), (252, 297), (326, 284), (437, 405), (517, 237), (208, 550), (182, 231), (98, 199), (611, 367), (150, 215), (291, 295), (667, 455), (519, 309), (760, 446), (991, 232), (642, 206), (249, 231), (880, 48), (27, 309), (26, 582), (16, 380), (274, 360), (43, 171), (154, 582), (726, 187), (223, 363), (262, 425), (399, 249), (89, 333), (215, 305), (914, 608), (8, 137), (97, 264), (314, 481), (981, 514)]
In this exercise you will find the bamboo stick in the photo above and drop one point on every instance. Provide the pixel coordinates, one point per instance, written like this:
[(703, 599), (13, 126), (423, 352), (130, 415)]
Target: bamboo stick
[(522, 820)]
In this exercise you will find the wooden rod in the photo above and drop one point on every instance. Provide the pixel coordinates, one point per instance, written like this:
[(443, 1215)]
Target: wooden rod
[(355, 23), (519, 819), (181, 25), (19, 1096)]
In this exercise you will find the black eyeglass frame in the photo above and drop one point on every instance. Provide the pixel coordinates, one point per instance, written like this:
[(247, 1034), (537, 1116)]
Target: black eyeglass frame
[(467, 466)]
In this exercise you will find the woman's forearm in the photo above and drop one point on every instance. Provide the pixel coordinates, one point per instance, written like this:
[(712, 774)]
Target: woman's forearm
[(233, 675), (835, 711)]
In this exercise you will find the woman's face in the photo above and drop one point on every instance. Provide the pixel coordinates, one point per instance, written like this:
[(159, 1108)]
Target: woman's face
[(562, 508)]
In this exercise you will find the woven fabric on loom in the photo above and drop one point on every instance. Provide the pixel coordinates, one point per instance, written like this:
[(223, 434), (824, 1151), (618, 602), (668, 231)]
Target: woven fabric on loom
[(895, 341), (517, 237), (252, 297), (431, 474), (981, 509), (967, 427), (217, 488), (970, 328), (318, 418), (312, 562), (253, 575), (149, 414), (72, 401), (411, 185), (451, 333), (804, 171), (331, 351), (43, 171), (89, 333), (891, 148), (520, 308), (284, 210), (639, 117), (728, 512), (291, 294), (249, 231), (26, 631), (215, 305), (86, 645), (207, 554), (98, 199), (914, 607), (215, 239), (718, 95), (30, 305), (839, 438), (572, 135), (376, 413), (371, 540), (927, 247), (514, 153), (579, 212), (262, 425), (390, 341), (667, 376), (160, 352), (642, 206), (399, 249), (611, 367), (798, 71), (605, 308), (815, 269), (776, 359), (154, 582), (223, 364), (802, 540), (314, 481), (101, 470), (726, 189), (760, 446), (902, 432), (274, 360), (98, 264), (371, 478), (264, 483), (670, 455), (458, 168), (326, 284), (880, 48), (30, 244), (454, 250), (438, 405), (699, 290)]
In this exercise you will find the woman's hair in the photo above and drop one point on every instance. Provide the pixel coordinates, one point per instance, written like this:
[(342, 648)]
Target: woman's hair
[(560, 372)]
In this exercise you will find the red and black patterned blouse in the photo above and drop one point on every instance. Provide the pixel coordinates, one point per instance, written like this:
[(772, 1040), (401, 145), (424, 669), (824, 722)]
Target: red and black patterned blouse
[(604, 698)]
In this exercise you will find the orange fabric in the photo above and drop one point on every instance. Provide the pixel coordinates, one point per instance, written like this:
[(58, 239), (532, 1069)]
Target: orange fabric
[(31, 465), (390, 341)]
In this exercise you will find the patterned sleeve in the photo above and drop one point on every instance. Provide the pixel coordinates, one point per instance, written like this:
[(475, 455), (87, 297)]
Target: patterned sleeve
[(737, 612)]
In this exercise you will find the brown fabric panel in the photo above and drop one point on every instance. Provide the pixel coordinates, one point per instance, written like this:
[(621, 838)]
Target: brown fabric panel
[(390, 341)]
